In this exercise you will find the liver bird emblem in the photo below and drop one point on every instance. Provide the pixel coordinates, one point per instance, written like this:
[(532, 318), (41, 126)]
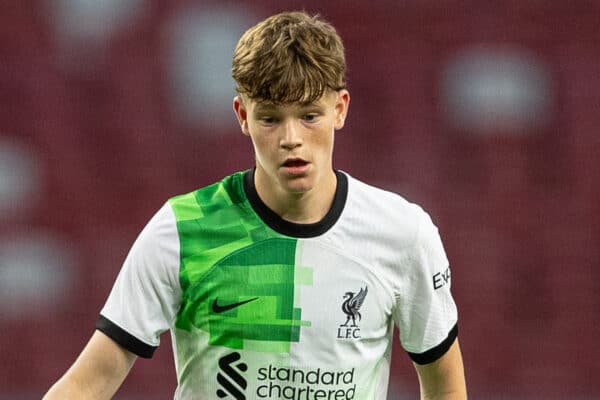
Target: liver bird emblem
[(352, 304)]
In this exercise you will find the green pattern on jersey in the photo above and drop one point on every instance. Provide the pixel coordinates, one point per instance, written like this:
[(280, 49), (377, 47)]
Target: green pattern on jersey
[(228, 255)]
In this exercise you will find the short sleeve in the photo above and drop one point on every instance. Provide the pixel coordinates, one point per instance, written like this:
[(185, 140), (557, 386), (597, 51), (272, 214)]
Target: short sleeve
[(145, 298), (425, 312)]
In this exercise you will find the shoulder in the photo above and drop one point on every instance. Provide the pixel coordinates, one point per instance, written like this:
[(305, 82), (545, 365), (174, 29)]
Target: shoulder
[(386, 212), (208, 199), (159, 232), (379, 197)]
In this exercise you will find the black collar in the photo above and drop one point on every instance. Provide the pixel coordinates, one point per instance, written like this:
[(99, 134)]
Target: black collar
[(293, 229)]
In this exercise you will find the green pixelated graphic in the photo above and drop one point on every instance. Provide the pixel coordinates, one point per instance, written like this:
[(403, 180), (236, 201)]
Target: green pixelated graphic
[(228, 256)]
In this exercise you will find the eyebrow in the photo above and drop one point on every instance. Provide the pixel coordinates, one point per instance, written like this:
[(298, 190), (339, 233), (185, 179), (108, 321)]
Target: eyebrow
[(270, 107), (262, 107)]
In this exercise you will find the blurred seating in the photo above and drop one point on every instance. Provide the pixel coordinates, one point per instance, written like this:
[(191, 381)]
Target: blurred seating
[(520, 216)]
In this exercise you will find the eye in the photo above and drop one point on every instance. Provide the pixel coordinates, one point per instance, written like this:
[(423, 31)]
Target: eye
[(310, 117), (267, 120)]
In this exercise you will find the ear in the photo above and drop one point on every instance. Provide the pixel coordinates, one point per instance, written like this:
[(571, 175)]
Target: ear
[(241, 113), (341, 108)]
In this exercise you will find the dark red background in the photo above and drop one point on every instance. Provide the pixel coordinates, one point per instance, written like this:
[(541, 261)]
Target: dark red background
[(519, 215)]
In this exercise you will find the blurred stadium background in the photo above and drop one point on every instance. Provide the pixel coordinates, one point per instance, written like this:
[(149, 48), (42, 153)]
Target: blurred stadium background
[(485, 112)]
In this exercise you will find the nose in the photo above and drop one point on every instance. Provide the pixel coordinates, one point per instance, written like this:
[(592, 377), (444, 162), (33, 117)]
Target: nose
[(291, 137)]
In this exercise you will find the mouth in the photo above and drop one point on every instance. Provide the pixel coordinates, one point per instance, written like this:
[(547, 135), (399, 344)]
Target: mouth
[(294, 163), (296, 167)]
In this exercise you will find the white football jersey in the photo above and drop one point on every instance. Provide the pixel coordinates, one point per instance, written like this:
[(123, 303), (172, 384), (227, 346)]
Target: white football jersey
[(262, 308)]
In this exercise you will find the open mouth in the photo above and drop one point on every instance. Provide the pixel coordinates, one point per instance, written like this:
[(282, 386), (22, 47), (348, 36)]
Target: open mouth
[(294, 163)]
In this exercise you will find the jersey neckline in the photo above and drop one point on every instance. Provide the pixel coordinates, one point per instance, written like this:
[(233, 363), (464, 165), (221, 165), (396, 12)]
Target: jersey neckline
[(280, 225)]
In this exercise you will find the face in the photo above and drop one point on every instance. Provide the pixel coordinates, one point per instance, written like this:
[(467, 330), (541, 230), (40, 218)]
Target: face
[(293, 143)]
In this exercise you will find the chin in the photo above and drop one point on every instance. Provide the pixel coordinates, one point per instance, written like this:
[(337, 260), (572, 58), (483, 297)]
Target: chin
[(298, 185)]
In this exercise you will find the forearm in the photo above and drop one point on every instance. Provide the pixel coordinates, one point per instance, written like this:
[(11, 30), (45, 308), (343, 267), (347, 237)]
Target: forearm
[(97, 373), (70, 387), (449, 386), (443, 379), (66, 388), (457, 394), (63, 389)]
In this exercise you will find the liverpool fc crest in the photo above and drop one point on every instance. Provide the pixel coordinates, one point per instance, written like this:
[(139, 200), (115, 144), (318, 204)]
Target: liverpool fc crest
[(351, 306)]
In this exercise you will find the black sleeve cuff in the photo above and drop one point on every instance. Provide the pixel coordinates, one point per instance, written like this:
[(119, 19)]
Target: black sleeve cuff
[(433, 354), (124, 338)]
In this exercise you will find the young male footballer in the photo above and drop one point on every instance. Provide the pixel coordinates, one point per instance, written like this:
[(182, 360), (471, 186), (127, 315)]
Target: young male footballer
[(283, 281)]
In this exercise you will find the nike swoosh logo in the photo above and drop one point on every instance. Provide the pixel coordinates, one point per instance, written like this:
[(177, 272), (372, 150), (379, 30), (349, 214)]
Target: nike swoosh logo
[(218, 308)]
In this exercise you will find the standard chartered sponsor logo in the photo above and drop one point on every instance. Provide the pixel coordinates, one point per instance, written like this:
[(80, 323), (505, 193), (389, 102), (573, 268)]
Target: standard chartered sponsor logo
[(230, 377), (305, 384)]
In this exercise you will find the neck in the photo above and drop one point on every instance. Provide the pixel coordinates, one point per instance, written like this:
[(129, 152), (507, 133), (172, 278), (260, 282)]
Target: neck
[(305, 207)]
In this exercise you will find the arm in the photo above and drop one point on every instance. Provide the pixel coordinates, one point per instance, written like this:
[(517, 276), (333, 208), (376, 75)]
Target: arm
[(97, 373), (443, 379)]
